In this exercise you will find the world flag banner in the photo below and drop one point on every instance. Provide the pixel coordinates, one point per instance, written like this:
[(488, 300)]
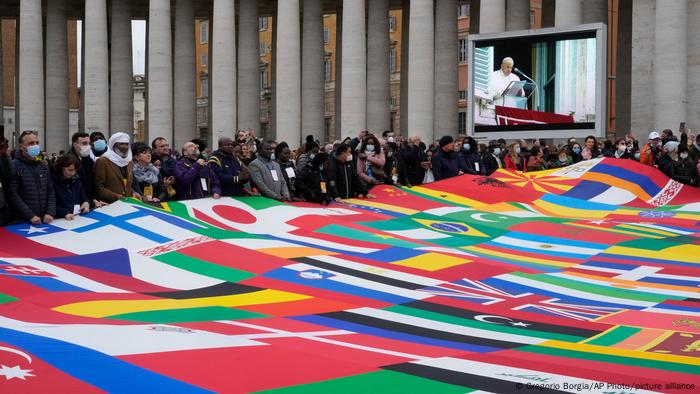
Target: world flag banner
[(581, 279)]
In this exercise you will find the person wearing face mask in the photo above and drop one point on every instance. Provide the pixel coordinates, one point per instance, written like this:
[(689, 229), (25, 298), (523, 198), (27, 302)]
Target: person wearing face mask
[(492, 158), (31, 192), (311, 149), (470, 161), (114, 170), (343, 181), (71, 199), (387, 136), (370, 162), (651, 152), (563, 159), (82, 150), (394, 166), (267, 176), (193, 178), (676, 164), (620, 150), (574, 151), (99, 145), (315, 179), (514, 159)]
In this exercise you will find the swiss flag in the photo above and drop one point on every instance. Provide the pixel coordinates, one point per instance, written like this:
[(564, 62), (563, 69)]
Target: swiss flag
[(21, 372)]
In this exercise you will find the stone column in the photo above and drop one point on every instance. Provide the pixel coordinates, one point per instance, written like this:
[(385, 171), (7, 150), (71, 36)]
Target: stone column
[(670, 72), (121, 101), (568, 12), (642, 106), (57, 122), (337, 108), (30, 71), (693, 67), (222, 81), (248, 66), (160, 71), (492, 16), (517, 14), (184, 98), (378, 73), (288, 75), (353, 92), (312, 71), (96, 88), (446, 68), (403, 94), (421, 70)]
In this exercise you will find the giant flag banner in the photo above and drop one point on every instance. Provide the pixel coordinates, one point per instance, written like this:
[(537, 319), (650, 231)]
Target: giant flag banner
[(580, 279)]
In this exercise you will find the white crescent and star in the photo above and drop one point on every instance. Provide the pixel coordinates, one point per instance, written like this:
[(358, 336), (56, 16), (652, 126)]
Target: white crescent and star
[(15, 372), (480, 217), (485, 319)]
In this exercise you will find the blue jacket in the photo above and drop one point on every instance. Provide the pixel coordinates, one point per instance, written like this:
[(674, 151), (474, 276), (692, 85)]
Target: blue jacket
[(31, 189), (69, 193), (228, 170)]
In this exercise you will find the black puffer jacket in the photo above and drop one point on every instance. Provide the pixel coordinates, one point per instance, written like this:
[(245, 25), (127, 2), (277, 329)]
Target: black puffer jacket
[(31, 189), (343, 179)]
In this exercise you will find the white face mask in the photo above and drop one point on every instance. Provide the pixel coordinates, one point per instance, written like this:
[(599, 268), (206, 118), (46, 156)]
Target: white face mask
[(370, 148), (517, 149), (496, 151), (349, 157), (390, 139), (272, 156), (84, 150), (621, 148), (684, 155)]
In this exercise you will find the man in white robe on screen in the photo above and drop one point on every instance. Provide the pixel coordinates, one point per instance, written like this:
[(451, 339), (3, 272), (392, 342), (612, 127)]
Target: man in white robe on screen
[(500, 79)]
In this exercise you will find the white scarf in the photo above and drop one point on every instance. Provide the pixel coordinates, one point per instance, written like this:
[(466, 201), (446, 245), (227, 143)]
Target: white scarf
[(114, 157)]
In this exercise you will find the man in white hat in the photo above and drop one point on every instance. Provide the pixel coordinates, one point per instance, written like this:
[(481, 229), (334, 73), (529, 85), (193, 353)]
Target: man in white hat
[(652, 150), (114, 170)]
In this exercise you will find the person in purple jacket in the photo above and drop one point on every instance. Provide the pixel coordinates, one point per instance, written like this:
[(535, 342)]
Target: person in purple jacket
[(193, 178)]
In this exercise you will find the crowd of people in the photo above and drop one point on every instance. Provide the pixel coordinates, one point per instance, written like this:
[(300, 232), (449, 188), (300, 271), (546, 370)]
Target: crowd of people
[(97, 171)]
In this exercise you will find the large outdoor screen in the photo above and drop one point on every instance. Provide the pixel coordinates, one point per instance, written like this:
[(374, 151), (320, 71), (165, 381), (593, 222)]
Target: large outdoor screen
[(547, 83)]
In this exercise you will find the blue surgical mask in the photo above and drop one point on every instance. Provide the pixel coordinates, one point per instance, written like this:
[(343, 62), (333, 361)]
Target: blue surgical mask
[(496, 151), (272, 156), (33, 151), (636, 156), (312, 156), (370, 148), (466, 147), (576, 150), (100, 145)]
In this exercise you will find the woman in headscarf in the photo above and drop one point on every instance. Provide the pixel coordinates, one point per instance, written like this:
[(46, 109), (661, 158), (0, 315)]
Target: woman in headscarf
[(114, 170)]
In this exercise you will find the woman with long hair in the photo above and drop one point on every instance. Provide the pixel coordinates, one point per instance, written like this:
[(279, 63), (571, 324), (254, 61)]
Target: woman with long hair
[(514, 160)]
